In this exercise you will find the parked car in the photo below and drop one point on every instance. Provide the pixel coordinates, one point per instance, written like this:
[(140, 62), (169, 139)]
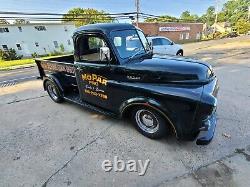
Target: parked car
[(111, 75), (163, 45)]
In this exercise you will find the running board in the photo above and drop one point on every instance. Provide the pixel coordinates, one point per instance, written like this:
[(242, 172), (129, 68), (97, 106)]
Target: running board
[(75, 98)]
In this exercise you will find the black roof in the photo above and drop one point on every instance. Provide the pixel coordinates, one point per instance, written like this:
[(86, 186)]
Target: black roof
[(105, 27)]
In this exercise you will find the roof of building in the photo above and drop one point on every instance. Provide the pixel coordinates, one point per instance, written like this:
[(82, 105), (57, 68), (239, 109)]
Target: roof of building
[(27, 24), (105, 27)]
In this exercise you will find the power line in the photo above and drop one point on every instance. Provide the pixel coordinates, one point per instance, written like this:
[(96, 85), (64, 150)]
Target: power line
[(57, 14)]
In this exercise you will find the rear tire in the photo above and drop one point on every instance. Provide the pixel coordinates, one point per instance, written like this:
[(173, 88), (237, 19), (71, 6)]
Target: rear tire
[(149, 122), (179, 53), (53, 91)]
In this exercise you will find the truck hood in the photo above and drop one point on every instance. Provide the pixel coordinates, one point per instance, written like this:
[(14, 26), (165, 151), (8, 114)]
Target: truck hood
[(171, 69)]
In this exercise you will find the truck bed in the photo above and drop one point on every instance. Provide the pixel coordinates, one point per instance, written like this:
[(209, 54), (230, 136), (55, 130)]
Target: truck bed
[(63, 65)]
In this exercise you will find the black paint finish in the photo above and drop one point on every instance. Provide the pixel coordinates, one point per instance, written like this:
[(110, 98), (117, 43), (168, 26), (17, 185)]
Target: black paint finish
[(184, 91)]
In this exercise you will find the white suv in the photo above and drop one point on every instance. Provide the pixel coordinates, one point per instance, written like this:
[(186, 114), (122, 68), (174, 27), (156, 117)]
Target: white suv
[(163, 45)]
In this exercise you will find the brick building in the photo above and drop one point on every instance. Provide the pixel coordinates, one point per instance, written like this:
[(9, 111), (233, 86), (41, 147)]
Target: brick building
[(178, 32)]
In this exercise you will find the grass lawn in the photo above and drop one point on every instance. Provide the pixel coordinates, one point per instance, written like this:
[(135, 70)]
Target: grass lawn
[(6, 65), (9, 64)]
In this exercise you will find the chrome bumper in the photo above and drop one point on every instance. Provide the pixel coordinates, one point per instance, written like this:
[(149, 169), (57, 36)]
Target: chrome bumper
[(207, 131)]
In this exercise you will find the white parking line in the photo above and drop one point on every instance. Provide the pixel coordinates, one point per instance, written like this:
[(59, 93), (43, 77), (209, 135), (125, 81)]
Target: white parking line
[(12, 80)]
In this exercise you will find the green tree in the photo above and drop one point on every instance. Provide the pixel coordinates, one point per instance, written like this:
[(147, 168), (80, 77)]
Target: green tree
[(209, 16), (82, 16), (242, 26), (160, 19), (21, 21), (186, 16), (235, 10)]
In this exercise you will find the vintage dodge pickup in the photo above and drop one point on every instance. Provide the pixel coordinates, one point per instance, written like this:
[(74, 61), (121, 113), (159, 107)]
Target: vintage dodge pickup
[(113, 71)]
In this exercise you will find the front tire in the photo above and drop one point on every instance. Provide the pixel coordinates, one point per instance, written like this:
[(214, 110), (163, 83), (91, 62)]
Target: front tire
[(149, 122), (53, 91), (179, 53)]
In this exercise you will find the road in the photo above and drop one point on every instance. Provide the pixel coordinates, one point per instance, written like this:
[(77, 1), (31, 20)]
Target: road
[(11, 77), (47, 144)]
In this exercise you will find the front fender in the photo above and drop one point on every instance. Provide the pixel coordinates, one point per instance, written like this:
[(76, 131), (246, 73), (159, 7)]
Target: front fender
[(148, 102)]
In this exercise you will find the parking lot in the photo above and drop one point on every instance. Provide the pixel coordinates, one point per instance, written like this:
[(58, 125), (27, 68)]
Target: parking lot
[(47, 144)]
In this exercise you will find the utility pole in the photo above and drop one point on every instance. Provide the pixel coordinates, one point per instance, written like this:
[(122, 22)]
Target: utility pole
[(216, 15), (137, 4)]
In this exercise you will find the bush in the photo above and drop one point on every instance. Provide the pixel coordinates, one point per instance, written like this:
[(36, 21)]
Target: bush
[(9, 55), (1, 54), (62, 49), (34, 55)]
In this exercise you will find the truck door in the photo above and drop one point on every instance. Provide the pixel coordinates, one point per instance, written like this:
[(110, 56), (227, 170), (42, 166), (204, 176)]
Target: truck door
[(91, 71)]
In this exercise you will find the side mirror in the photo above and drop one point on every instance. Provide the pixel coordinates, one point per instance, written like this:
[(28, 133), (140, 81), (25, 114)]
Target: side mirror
[(104, 54), (172, 43)]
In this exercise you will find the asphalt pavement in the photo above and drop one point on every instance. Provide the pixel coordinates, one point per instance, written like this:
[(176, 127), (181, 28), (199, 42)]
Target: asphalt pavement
[(47, 144)]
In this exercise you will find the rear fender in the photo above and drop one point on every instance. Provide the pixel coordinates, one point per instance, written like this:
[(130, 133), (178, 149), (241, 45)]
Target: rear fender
[(53, 79)]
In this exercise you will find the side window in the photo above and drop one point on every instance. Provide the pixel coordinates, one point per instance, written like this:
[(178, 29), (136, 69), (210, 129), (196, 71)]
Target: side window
[(157, 41), (89, 48), (118, 41), (166, 42)]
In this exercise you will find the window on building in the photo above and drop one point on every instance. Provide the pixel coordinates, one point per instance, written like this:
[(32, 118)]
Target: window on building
[(2, 30), (181, 36), (56, 44), (20, 29), (18, 46), (5, 47), (40, 28), (198, 36), (36, 44), (187, 36), (69, 42)]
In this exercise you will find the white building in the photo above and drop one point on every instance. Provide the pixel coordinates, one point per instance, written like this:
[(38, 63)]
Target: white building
[(40, 38)]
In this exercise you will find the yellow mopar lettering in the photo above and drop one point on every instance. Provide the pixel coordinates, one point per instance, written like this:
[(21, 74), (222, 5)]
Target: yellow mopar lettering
[(99, 79), (84, 77), (94, 77), (104, 81), (89, 78)]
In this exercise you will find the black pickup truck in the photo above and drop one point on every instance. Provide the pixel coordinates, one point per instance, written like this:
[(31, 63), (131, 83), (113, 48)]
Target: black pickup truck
[(113, 71)]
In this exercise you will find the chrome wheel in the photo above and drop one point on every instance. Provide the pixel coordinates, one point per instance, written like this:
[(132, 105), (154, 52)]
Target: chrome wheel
[(147, 121), (52, 91)]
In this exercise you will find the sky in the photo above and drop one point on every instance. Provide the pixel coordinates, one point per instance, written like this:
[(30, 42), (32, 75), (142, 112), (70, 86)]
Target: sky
[(156, 7)]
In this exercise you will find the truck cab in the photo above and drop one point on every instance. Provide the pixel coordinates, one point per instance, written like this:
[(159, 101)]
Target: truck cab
[(113, 71)]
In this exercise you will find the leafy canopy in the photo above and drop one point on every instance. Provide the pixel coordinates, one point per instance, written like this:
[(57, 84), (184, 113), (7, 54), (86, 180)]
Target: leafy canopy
[(82, 16)]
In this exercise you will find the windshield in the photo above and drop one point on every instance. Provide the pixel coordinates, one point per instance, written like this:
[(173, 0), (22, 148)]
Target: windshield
[(129, 43)]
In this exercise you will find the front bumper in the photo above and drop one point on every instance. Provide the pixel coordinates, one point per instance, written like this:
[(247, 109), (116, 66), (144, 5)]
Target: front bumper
[(207, 132)]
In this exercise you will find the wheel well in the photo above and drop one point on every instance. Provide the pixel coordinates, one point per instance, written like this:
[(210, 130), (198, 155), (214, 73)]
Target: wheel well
[(55, 81), (126, 112), (180, 50)]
